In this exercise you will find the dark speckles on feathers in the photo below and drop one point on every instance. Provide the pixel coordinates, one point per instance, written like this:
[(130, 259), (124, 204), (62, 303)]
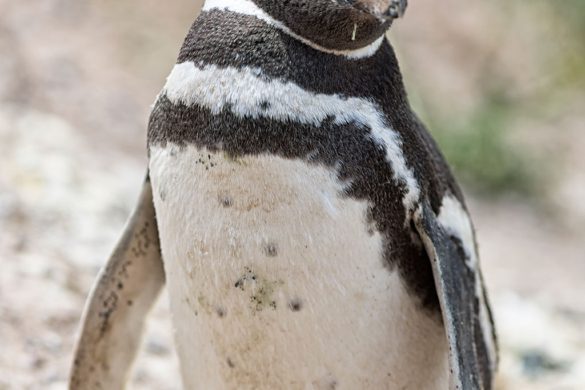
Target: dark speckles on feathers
[(221, 312), (109, 306), (265, 105), (247, 278), (295, 304), (271, 250), (142, 241), (123, 271), (206, 161), (226, 201), (162, 194)]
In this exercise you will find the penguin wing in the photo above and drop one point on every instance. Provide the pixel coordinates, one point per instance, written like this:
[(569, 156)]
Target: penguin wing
[(464, 306), (115, 312)]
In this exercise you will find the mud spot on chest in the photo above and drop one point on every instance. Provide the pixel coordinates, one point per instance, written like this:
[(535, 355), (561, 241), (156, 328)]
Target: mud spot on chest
[(263, 299), (204, 304), (248, 278), (262, 291)]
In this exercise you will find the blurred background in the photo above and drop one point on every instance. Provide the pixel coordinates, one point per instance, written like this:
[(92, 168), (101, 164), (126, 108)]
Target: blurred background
[(501, 84)]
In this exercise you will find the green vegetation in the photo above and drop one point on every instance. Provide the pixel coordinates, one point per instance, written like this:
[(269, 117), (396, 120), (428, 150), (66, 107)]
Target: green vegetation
[(568, 23), (478, 150), (477, 143)]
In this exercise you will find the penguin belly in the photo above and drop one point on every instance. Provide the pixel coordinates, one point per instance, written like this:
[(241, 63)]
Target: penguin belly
[(277, 279)]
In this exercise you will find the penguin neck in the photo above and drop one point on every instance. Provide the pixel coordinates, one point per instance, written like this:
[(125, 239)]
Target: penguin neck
[(249, 44), (235, 39), (263, 11)]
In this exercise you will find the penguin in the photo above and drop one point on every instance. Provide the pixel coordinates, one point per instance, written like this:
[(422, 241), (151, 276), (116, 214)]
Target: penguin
[(306, 225)]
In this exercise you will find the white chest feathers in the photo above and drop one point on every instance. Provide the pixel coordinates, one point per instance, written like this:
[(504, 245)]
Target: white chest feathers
[(277, 281)]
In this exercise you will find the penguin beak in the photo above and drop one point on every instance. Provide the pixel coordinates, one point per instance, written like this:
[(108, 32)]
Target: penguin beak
[(386, 10), (396, 9)]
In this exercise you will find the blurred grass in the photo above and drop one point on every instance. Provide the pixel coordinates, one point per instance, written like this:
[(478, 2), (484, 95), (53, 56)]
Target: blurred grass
[(478, 146), (478, 150), (478, 142), (569, 19)]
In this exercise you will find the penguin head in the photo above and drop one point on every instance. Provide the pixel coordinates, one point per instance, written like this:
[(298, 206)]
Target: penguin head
[(336, 24)]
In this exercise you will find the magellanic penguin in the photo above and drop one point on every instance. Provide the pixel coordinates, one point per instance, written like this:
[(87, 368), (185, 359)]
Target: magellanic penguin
[(311, 232)]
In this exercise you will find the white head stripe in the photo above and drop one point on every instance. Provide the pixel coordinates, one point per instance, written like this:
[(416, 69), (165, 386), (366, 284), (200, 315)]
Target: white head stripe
[(247, 7)]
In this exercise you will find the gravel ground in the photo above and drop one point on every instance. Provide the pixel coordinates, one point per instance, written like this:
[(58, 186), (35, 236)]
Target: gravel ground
[(72, 135)]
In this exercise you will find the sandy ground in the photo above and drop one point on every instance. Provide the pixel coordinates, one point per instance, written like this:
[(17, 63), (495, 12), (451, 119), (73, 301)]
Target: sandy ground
[(72, 130)]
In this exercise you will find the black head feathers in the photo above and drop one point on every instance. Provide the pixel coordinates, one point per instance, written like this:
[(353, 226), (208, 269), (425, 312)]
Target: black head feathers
[(336, 24)]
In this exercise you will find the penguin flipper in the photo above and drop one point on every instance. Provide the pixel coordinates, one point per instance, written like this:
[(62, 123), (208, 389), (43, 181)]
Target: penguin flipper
[(465, 310), (124, 292)]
